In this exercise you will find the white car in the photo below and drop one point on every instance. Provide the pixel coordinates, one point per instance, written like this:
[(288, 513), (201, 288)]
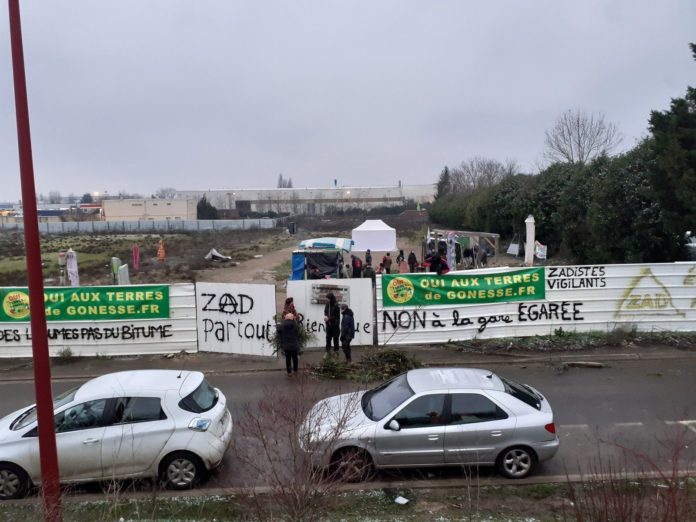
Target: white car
[(165, 424)]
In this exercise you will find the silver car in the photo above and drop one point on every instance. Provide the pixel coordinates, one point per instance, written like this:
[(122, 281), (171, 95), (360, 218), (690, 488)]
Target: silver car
[(433, 417)]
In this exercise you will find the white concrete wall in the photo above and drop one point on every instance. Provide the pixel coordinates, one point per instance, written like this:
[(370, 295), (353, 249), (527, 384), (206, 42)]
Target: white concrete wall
[(235, 318), (357, 293), (647, 297), (88, 338)]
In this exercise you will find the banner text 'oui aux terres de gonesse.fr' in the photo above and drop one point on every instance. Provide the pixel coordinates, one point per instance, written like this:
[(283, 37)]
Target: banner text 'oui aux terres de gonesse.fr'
[(99, 303), (432, 289)]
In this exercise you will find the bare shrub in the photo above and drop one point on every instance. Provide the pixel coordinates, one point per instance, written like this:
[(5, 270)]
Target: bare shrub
[(287, 451), (612, 493)]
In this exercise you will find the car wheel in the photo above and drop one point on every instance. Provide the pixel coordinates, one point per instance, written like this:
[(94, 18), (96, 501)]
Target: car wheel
[(182, 470), (516, 462), (14, 481), (352, 465)]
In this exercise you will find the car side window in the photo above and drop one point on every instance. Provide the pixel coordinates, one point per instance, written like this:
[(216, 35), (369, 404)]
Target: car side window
[(83, 416), (137, 409), (473, 407), (423, 411)]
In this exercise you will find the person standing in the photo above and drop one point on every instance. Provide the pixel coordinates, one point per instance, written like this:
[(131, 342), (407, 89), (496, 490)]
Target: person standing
[(347, 330), (289, 334), (357, 266), (332, 318), (370, 272), (368, 257), (401, 262), (289, 308), (387, 263), (412, 262)]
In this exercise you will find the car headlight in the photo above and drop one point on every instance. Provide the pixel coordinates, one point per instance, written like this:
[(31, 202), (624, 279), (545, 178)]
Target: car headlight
[(199, 424)]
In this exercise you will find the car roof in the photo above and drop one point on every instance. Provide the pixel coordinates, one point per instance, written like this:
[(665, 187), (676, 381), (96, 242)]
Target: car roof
[(425, 379), (140, 382)]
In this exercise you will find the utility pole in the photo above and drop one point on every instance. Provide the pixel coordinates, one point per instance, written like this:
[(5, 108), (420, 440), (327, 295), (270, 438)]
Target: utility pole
[(50, 479)]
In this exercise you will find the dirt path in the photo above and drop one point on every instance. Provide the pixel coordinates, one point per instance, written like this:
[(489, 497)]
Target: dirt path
[(257, 270)]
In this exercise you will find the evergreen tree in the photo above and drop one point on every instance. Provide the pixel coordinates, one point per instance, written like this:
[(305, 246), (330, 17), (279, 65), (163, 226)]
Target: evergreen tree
[(444, 184), (673, 175), (205, 210)]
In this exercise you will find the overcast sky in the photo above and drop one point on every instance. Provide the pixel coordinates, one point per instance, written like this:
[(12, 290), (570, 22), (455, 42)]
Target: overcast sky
[(135, 95)]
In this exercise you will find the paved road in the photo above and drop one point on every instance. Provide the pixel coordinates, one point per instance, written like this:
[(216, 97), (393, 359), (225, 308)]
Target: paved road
[(642, 406)]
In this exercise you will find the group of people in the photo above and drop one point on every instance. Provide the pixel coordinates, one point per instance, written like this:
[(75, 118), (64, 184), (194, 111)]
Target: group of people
[(357, 269), (340, 326)]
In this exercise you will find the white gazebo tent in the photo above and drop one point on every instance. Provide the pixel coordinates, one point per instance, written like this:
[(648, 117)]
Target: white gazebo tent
[(374, 234)]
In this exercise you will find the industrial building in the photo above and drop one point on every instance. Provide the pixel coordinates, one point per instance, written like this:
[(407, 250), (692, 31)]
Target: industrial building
[(148, 209), (311, 201)]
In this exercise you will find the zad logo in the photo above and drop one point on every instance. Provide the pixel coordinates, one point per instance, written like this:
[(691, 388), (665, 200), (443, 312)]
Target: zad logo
[(646, 295)]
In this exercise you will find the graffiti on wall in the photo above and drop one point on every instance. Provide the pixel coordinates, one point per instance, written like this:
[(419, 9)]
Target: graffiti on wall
[(646, 295), (235, 318)]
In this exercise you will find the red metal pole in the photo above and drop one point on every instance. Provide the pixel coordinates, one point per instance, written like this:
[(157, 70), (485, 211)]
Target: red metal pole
[(42, 363)]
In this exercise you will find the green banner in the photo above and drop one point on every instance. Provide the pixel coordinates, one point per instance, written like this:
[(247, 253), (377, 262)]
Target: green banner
[(98, 303), (455, 289)]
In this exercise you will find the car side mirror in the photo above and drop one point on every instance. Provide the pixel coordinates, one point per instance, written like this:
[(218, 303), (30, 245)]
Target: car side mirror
[(394, 425)]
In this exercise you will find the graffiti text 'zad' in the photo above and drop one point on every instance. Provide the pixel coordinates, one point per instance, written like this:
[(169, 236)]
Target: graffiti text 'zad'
[(228, 303), (646, 295)]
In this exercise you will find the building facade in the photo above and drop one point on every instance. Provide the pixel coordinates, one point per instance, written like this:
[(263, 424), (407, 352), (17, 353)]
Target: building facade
[(148, 209), (312, 201)]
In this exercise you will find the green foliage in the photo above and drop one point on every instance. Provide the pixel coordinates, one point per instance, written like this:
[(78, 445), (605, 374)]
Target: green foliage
[(205, 210), (303, 337), (673, 176), (375, 365), (332, 367), (385, 363), (444, 184)]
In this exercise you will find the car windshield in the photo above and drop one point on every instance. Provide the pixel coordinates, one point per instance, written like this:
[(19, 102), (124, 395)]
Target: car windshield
[(522, 392), (378, 402), (201, 399), (29, 416)]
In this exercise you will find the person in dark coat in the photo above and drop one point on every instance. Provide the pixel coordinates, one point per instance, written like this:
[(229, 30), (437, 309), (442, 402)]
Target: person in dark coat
[(347, 330), (370, 272), (368, 257), (412, 262), (436, 263), (357, 266), (332, 318), (387, 263), (289, 334)]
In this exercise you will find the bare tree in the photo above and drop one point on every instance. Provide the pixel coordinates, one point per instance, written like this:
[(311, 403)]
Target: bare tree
[(283, 449), (54, 197), (578, 137), (165, 193), (478, 172)]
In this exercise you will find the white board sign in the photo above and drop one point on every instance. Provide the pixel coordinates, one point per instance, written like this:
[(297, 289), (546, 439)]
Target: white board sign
[(647, 297), (309, 301), (235, 318)]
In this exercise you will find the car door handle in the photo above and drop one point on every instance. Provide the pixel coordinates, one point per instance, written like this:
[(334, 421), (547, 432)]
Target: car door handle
[(496, 433), (90, 441), (433, 437)]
